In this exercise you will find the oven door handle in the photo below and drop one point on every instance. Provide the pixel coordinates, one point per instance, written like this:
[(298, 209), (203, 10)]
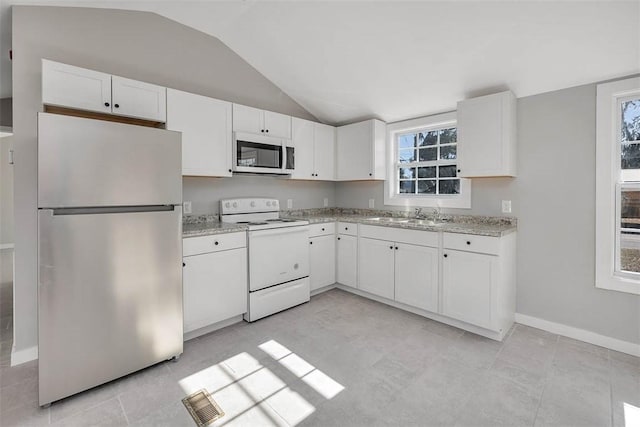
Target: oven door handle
[(294, 229)]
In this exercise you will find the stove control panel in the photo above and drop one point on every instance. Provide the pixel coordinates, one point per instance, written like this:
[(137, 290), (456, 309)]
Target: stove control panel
[(248, 205)]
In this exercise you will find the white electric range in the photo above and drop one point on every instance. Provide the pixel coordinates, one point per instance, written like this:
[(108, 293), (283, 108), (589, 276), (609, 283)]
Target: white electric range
[(278, 255)]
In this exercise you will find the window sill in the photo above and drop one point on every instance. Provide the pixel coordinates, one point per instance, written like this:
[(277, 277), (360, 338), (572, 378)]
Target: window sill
[(620, 284)]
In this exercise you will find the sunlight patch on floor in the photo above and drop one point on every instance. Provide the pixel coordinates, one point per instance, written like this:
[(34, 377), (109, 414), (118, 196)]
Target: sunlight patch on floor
[(631, 415), (251, 394)]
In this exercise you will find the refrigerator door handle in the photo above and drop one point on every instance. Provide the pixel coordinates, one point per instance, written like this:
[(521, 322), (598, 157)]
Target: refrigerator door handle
[(114, 209)]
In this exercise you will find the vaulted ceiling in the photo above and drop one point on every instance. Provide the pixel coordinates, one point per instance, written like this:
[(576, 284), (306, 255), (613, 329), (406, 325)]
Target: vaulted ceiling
[(344, 61)]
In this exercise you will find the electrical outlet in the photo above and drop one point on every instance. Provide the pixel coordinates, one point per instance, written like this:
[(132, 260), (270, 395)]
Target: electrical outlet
[(325, 202), (289, 203), (372, 203), (506, 206), (186, 207)]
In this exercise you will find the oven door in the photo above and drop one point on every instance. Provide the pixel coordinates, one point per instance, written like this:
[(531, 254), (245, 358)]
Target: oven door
[(278, 255), (258, 154)]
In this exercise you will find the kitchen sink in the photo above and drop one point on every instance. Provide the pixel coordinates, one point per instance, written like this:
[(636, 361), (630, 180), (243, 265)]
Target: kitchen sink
[(428, 222)]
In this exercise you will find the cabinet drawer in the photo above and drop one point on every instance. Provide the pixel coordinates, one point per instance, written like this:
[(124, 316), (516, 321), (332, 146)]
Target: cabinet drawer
[(322, 229), (348, 228), (215, 243), (399, 235), (472, 243)]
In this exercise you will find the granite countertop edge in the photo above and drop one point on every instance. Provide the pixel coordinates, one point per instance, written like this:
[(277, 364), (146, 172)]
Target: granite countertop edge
[(193, 228)]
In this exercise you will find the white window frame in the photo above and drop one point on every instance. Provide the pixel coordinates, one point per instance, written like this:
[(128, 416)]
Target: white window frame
[(391, 197), (608, 184)]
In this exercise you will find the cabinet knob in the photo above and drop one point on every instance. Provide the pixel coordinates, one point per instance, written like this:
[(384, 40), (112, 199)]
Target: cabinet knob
[(458, 170), (262, 130), (230, 170), (323, 229), (445, 255), (468, 242), (311, 243), (267, 131), (396, 248), (106, 104), (116, 105), (370, 174), (184, 265), (390, 247), (338, 238), (215, 243)]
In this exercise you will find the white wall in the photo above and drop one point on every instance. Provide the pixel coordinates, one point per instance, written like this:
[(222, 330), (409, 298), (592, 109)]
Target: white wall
[(139, 45), (205, 193), (554, 200)]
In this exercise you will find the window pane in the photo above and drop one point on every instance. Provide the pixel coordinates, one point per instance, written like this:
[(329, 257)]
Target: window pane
[(427, 172), (448, 153), (631, 120), (447, 171), (630, 154), (449, 186), (427, 186), (447, 136), (406, 156), (630, 231), (407, 186), (407, 141), (428, 154), (407, 173), (427, 138)]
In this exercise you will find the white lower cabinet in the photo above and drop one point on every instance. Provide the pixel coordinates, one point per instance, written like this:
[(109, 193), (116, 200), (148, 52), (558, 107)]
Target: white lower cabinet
[(346, 259), (416, 276), (322, 265), (376, 265), (214, 284), (467, 282)]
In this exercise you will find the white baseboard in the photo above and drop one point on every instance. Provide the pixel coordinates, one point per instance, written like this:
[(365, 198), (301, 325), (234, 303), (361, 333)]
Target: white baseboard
[(210, 328), (6, 246), (580, 334), (28, 354), (321, 290)]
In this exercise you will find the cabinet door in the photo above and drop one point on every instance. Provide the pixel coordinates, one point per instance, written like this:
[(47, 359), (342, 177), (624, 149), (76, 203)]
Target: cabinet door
[(416, 276), (302, 132), (73, 87), (214, 287), (247, 119), (375, 264), (132, 98), (324, 152), (347, 258), (486, 136), (205, 124), (354, 151), (322, 266), (277, 125), (467, 286)]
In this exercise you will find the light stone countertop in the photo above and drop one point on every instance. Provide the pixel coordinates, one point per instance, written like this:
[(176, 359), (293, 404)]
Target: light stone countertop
[(205, 225)]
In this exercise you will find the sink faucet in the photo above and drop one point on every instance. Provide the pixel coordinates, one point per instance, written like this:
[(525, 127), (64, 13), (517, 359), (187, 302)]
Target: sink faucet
[(418, 213), (436, 213)]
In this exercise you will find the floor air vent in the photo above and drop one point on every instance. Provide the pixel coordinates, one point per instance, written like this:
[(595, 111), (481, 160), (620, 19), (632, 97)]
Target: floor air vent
[(202, 408)]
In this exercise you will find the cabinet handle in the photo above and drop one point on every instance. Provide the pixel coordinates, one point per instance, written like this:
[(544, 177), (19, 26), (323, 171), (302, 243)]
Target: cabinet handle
[(445, 255), (184, 265), (106, 104), (215, 243), (468, 242), (116, 105)]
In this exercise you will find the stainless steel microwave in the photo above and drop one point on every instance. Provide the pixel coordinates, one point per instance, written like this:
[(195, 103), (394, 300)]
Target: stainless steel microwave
[(262, 154)]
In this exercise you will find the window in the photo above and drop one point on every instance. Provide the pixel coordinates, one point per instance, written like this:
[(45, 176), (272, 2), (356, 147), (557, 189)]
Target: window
[(618, 186), (423, 166)]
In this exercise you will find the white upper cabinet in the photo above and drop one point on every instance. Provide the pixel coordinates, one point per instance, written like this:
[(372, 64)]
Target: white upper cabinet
[(302, 132), (205, 124), (487, 136), (314, 144), (324, 152), (132, 98), (361, 151), (78, 88), (254, 120), (74, 87)]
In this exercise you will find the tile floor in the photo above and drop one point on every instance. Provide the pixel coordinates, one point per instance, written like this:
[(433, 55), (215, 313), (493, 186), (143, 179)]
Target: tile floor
[(343, 360)]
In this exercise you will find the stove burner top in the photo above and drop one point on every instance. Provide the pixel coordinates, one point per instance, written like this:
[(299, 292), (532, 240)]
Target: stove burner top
[(281, 220), (252, 222)]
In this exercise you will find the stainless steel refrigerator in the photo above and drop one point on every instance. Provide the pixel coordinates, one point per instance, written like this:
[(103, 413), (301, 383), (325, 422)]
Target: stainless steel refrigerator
[(109, 251)]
